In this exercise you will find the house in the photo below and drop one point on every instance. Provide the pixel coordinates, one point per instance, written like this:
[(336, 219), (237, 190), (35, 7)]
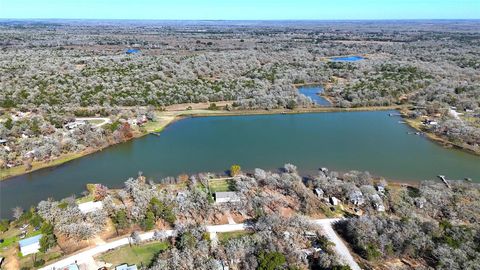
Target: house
[(324, 170), (334, 201), (429, 122), (319, 192), (126, 267), (377, 203), (356, 197), (223, 197), (90, 207), (381, 189), (30, 245), (420, 202), (72, 266), (75, 124), (3, 141)]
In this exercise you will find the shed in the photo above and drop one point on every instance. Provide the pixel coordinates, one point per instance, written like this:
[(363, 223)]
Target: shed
[(319, 192), (334, 201), (30, 245), (223, 197), (90, 207)]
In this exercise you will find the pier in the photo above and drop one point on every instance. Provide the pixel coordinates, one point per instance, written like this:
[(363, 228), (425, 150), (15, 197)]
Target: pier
[(444, 180)]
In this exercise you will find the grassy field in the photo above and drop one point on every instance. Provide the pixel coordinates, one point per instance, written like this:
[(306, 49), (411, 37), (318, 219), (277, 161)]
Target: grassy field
[(11, 237), (139, 255), (224, 237), (39, 165), (221, 185)]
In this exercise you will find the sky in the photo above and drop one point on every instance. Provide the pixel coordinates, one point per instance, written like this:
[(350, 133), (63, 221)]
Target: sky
[(240, 9)]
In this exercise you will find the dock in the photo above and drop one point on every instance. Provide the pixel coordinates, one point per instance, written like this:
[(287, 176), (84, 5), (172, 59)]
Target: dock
[(444, 180), (156, 133)]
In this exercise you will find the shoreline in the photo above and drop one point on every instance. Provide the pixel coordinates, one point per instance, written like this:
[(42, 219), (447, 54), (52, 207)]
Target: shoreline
[(434, 137), (165, 118)]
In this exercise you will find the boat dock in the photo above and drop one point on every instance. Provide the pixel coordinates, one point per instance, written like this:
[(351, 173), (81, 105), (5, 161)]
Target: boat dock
[(444, 180)]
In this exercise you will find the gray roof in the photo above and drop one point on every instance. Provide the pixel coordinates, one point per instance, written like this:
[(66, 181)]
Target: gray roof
[(228, 194)]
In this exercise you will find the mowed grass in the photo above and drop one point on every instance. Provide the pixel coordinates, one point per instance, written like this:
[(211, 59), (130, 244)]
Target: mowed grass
[(221, 185), (140, 255), (12, 236), (224, 237)]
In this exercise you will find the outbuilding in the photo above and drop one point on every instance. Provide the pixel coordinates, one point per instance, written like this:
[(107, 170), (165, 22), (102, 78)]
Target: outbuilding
[(223, 197), (30, 245)]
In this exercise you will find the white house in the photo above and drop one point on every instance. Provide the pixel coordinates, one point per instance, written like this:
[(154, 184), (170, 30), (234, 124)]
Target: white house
[(334, 201), (319, 192), (90, 206), (223, 197), (30, 245)]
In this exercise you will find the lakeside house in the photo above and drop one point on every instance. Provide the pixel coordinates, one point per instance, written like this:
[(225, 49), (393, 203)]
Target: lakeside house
[(126, 267), (356, 197), (377, 203), (89, 207), (224, 197), (30, 245)]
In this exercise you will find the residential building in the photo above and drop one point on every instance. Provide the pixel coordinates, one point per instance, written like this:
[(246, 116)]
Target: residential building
[(30, 245)]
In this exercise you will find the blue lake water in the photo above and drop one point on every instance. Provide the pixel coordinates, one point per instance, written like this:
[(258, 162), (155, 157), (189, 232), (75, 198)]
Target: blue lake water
[(313, 93), (341, 141), (347, 59)]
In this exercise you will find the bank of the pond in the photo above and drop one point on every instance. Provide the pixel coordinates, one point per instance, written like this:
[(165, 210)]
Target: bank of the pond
[(165, 118), (340, 141)]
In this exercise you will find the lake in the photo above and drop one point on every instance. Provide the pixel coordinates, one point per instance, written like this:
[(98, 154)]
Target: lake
[(313, 93), (371, 141), (347, 59)]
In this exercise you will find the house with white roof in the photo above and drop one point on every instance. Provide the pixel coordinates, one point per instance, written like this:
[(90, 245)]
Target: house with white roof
[(126, 267), (90, 206), (223, 197), (30, 245)]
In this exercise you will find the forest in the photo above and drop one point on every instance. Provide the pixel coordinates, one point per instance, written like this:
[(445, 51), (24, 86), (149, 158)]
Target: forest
[(429, 226)]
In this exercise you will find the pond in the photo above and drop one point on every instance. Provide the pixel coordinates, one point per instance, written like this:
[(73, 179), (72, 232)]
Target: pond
[(371, 141), (314, 92), (347, 59)]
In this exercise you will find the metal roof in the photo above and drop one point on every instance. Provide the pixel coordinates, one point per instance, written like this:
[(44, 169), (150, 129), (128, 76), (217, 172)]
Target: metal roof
[(30, 241)]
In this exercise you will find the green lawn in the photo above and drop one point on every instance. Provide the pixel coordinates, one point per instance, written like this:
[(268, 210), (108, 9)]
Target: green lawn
[(13, 238), (139, 255), (221, 185), (224, 237)]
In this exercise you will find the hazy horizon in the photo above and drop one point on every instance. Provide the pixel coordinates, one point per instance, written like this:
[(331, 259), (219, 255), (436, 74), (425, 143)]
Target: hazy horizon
[(246, 10)]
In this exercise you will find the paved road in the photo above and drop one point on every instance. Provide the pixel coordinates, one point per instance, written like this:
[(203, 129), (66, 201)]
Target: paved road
[(340, 247), (87, 255)]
